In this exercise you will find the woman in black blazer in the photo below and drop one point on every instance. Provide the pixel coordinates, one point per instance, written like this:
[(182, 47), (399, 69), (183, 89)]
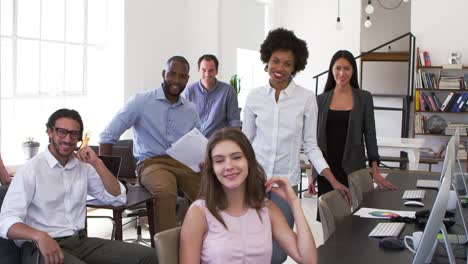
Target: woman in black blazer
[(345, 122)]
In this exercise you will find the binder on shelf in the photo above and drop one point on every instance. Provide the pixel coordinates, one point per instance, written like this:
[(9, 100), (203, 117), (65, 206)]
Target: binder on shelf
[(463, 101), (447, 101), (416, 101), (456, 101), (436, 101), (432, 103)]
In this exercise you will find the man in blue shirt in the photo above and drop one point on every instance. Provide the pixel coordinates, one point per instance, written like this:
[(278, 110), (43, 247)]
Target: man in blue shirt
[(159, 118), (216, 101)]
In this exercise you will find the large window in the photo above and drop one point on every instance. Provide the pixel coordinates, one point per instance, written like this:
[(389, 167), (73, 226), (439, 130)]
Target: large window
[(55, 54)]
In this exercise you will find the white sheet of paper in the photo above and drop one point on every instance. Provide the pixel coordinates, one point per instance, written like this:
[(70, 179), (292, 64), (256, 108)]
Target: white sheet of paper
[(90, 198), (189, 149), (382, 213)]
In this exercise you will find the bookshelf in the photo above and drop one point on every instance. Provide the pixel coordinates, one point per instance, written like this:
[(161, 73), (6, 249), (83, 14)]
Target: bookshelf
[(441, 91)]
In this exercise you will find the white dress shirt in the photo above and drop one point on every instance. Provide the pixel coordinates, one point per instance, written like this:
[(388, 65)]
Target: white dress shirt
[(277, 130), (49, 197)]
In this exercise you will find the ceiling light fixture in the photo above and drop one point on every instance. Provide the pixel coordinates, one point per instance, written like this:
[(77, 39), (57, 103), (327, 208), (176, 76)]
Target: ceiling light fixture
[(369, 8), (368, 22), (339, 25)]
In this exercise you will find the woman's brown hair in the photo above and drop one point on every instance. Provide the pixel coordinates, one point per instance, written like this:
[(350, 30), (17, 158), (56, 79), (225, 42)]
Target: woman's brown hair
[(211, 189)]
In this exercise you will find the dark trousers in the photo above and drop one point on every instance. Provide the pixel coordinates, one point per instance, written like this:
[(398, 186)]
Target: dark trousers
[(279, 256), (81, 249)]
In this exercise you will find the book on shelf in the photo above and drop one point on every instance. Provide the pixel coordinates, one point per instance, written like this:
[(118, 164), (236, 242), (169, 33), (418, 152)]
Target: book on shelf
[(440, 152), (452, 81), (427, 59), (436, 101), (452, 127), (417, 104), (452, 66), (461, 153), (424, 58), (419, 120), (426, 80), (429, 102)]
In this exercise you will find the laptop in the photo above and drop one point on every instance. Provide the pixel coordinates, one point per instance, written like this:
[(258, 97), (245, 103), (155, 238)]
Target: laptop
[(112, 163)]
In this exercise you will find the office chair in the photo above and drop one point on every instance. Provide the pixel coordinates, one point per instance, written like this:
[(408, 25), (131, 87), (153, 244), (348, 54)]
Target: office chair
[(360, 184), (167, 246), (332, 208), (124, 149)]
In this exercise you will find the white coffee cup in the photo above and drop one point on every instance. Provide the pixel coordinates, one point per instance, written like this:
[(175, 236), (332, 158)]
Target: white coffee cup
[(415, 238), (452, 201)]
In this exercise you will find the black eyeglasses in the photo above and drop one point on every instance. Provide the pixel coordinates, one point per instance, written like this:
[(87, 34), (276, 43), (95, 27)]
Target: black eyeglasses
[(62, 132)]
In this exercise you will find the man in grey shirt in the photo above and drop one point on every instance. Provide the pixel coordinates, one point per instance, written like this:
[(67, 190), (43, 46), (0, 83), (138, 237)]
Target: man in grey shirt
[(216, 101)]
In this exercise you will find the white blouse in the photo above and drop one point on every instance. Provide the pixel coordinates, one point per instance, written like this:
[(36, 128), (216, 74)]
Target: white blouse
[(277, 130)]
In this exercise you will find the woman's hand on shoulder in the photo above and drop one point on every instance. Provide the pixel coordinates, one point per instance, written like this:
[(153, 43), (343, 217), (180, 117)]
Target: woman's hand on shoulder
[(282, 188)]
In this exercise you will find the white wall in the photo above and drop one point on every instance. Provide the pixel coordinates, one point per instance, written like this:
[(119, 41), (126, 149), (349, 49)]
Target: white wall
[(315, 22), (441, 27), (157, 30), (386, 25)]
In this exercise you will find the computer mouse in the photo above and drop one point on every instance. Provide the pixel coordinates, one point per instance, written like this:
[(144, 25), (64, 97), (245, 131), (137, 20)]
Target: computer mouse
[(414, 203), (392, 243)]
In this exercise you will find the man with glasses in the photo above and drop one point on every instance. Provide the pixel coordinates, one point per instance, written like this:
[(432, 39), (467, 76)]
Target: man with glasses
[(158, 118), (44, 210)]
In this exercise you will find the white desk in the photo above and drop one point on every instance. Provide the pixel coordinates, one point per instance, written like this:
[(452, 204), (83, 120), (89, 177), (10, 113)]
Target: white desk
[(412, 146)]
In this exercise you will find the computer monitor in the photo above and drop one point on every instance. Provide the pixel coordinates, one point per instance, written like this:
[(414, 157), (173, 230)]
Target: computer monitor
[(458, 168), (449, 157), (435, 221)]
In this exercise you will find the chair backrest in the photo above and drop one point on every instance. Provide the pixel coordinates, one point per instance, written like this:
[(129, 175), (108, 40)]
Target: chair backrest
[(167, 246), (360, 184), (332, 208), (124, 149)]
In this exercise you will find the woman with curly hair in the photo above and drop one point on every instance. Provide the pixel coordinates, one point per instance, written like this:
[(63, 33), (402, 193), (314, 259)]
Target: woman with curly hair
[(345, 120), (232, 221), (281, 117)]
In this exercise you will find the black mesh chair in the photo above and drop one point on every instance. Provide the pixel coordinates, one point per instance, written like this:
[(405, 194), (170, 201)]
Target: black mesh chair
[(127, 173)]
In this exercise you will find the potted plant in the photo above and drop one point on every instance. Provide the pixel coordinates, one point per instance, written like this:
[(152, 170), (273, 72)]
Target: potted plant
[(235, 82), (30, 148)]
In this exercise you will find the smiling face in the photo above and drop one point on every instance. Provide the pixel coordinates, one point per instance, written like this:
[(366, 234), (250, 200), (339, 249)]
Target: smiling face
[(208, 73), (230, 165), (175, 79), (280, 68), (63, 138), (342, 72)]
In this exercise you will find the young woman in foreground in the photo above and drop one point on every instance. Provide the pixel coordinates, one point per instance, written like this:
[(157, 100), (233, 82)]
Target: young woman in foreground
[(232, 221)]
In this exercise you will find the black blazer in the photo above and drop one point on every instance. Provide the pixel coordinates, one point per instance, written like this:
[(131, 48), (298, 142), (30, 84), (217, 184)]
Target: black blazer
[(361, 128)]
